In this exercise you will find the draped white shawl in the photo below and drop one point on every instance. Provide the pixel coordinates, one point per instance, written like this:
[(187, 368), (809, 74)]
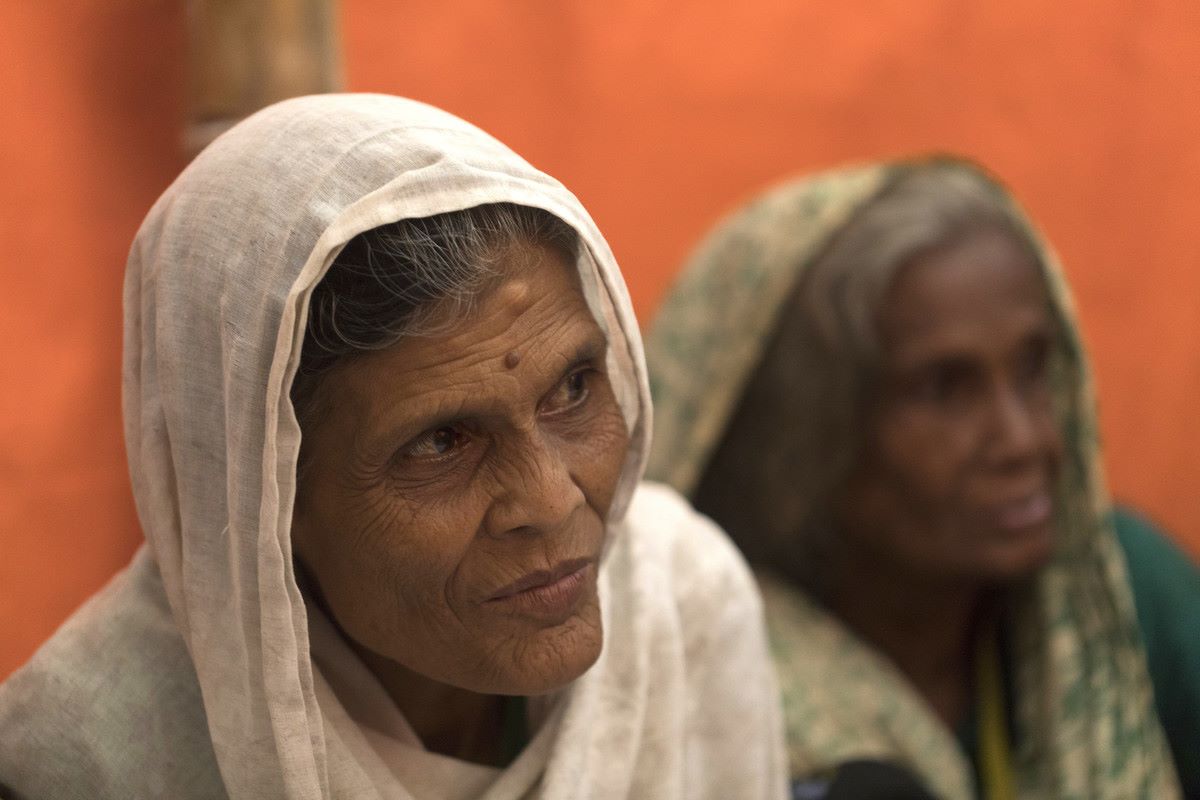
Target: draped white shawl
[(190, 675)]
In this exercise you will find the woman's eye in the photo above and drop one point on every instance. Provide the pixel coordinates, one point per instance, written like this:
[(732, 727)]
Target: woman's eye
[(1033, 366), (434, 443), (576, 386), (931, 387), (944, 384), (573, 391)]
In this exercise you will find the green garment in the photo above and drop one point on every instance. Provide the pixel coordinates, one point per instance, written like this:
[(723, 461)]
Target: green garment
[(1166, 592), (514, 730), (1084, 710)]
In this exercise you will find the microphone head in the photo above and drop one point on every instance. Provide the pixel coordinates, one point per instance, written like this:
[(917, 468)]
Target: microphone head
[(864, 779)]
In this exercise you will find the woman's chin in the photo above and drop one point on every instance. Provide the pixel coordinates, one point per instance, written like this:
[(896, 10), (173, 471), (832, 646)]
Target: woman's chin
[(547, 660), (1022, 553)]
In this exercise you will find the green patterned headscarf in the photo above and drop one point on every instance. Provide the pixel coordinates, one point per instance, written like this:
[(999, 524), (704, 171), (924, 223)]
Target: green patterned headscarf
[(1084, 715)]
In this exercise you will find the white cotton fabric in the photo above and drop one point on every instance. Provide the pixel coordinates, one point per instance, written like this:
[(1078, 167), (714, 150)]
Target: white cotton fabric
[(191, 674)]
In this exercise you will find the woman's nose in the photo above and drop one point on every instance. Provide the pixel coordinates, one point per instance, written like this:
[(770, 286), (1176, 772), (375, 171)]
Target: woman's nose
[(536, 490), (1016, 426)]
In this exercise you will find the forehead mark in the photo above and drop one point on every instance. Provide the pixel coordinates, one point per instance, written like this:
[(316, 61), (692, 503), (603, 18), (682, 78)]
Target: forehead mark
[(511, 359), (514, 293)]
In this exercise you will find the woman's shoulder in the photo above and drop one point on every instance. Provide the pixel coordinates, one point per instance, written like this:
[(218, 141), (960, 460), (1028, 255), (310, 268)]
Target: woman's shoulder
[(1150, 551), (109, 706), (683, 597), (1165, 584)]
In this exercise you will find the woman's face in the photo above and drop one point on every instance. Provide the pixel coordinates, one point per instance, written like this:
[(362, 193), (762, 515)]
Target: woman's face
[(453, 510), (962, 451)]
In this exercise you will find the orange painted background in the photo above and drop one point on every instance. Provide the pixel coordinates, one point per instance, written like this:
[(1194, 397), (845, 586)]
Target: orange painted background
[(660, 116)]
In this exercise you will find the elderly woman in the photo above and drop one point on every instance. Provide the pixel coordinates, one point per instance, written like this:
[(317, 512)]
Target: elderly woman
[(873, 380), (386, 414)]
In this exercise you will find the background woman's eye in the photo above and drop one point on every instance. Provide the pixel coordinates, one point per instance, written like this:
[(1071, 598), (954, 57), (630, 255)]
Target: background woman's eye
[(1034, 362), (935, 387), (948, 383), (437, 442)]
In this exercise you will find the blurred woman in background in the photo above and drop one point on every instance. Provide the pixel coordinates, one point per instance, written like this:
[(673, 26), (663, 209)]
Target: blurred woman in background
[(874, 381)]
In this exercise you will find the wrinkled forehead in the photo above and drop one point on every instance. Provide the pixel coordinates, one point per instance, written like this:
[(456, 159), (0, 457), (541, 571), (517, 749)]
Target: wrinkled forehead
[(493, 361), (965, 273)]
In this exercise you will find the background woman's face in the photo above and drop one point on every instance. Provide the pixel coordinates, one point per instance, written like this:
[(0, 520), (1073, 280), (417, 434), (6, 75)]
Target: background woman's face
[(962, 452), (454, 508)]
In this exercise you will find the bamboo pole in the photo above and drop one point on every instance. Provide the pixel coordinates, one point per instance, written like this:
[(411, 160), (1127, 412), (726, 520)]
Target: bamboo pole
[(246, 54)]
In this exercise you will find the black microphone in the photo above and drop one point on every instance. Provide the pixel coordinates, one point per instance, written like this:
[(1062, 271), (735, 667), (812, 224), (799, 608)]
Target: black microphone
[(863, 779)]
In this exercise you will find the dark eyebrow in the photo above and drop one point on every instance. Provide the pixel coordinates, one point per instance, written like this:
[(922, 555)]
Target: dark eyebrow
[(429, 422), (590, 350)]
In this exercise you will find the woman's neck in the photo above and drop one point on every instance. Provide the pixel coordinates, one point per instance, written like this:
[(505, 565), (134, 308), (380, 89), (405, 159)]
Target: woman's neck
[(926, 628), (448, 720)]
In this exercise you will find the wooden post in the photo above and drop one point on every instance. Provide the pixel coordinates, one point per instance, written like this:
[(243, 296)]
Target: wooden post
[(246, 54)]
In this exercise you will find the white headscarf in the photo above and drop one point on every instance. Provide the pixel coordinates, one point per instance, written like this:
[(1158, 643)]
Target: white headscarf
[(681, 702)]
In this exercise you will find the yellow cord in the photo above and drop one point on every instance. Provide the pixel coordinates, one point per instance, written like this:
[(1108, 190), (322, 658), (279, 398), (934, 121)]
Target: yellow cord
[(995, 758)]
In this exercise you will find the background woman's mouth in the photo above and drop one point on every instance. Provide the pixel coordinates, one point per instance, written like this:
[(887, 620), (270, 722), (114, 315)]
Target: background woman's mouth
[(1027, 512)]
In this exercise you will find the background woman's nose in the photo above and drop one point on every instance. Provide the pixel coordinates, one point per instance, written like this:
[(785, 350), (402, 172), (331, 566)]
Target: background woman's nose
[(1015, 425)]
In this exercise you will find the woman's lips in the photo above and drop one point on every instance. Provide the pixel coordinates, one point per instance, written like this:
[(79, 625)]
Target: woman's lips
[(551, 595), (1026, 512)]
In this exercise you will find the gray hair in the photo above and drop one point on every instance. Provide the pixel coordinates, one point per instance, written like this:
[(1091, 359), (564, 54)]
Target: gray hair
[(415, 277), (797, 431)]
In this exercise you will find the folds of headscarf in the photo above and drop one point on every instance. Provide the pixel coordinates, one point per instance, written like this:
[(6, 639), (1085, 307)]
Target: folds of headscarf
[(1085, 716)]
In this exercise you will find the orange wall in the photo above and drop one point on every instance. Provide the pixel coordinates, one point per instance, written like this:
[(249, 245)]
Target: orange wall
[(660, 116)]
